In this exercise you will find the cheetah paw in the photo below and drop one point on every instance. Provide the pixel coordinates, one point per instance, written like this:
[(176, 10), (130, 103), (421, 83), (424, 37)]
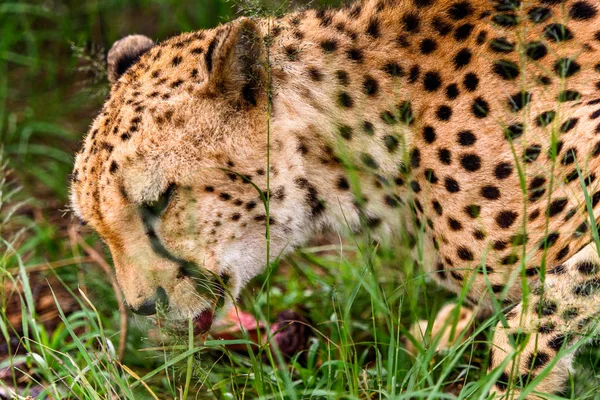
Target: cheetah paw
[(450, 326)]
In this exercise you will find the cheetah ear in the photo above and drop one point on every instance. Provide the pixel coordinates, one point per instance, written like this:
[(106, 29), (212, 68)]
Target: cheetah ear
[(124, 53), (234, 62)]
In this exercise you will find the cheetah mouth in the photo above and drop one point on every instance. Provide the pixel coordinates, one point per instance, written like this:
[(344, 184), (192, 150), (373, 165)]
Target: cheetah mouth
[(203, 321)]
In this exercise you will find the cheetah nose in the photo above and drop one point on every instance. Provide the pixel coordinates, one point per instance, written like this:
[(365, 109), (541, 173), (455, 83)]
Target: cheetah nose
[(148, 307)]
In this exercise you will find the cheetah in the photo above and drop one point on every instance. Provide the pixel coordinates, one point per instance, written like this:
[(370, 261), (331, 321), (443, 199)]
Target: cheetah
[(473, 125)]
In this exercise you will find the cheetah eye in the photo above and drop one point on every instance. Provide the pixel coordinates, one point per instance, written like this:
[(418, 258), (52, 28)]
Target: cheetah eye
[(156, 208)]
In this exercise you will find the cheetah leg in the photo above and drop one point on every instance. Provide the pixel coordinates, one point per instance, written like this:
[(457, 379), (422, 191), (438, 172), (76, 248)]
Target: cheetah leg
[(450, 325), (556, 315)]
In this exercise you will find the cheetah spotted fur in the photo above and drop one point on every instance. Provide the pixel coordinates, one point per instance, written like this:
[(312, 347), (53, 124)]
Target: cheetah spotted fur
[(472, 124)]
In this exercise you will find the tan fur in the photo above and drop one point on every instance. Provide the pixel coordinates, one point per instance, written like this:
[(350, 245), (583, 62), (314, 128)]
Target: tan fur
[(193, 113)]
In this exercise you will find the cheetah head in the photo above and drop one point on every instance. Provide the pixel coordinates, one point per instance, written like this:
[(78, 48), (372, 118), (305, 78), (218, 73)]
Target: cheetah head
[(173, 172)]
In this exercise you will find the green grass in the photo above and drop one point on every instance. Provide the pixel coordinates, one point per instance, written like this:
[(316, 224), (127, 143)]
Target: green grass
[(360, 297)]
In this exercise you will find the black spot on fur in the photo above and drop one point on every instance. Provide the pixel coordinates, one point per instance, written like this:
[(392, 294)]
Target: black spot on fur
[(452, 91), (507, 5), (373, 28), (566, 67), (490, 192), (415, 158), (429, 134), (587, 267), (519, 100), (538, 360), (437, 207), (570, 177), (548, 241), (342, 183), (569, 156), (369, 161), (368, 128), (345, 132), (314, 74), (562, 253), (536, 50), (462, 58), (113, 167), (428, 46), (506, 69), (405, 112), (391, 143), (510, 259), (430, 176), (501, 45), (451, 185), (471, 162), (411, 22), (464, 253), (473, 211), (587, 288), (370, 86), (545, 118), (345, 100), (558, 270), (393, 69), (423, 3), (505, 19), (582, 10), (557, 33), (502, 382), (557, 342), (532, 153), (463, 32), (342, 77), (466, 138), (514, 131), (471, 81), (414, 73), (580, 230), (454, 224), (480, 108), (557, 206), (355, 55), (317, 206), (499, 245), (432, 81), (568, 95), (444, 156), (539, 14), (546, 307), (442, 27), (481, 37), (570, 313), (443, 113), (388, 117), (460, 10), (505, 219), (414, 185)]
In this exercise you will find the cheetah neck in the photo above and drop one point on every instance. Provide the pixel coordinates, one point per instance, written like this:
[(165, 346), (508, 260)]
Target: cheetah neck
[(343, 81), (343, 89)]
